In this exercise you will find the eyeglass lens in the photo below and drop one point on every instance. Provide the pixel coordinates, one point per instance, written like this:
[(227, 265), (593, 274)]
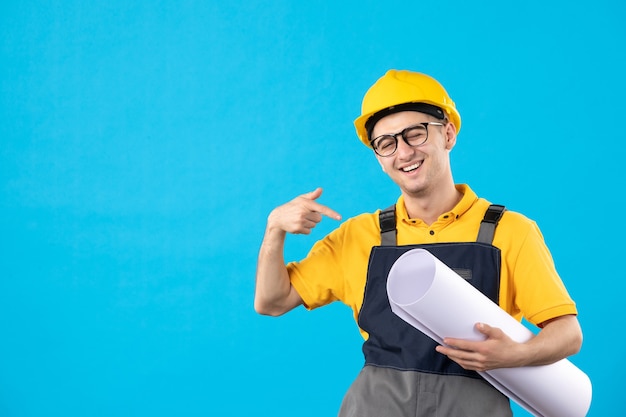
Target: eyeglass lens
[(386, 145)]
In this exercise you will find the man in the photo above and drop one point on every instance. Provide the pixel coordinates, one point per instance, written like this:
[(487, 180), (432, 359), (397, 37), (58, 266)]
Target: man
[(411, 124)]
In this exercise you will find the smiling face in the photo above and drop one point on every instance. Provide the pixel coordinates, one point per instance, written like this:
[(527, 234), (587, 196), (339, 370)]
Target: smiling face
[(420, 171)]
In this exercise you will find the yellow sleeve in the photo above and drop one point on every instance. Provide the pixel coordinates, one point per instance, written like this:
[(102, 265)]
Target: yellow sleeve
[(316, 277), (538, 291), (336, 267)]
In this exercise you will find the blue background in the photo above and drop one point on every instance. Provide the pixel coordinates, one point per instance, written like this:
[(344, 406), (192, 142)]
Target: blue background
[(143, 145)]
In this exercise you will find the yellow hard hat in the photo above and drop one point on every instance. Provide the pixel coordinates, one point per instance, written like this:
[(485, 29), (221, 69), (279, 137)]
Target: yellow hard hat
[(401, 88)]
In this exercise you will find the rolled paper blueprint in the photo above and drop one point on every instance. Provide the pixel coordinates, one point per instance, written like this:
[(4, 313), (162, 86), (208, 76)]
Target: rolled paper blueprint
[(434, 299)]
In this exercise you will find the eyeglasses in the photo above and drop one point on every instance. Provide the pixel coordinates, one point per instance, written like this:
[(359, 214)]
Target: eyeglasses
[(414, 136)]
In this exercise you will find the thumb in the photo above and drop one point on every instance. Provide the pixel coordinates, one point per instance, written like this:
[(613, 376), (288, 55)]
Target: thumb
[(313, 195), (485, 329)]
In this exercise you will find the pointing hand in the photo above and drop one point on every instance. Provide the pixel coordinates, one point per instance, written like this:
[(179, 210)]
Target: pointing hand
[(301, 215)]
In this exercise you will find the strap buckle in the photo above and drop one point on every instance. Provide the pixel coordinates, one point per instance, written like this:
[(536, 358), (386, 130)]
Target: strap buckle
[(493, 213)]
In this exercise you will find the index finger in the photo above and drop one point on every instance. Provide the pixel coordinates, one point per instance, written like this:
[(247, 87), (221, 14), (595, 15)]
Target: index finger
[(324, 210), (461, 344)]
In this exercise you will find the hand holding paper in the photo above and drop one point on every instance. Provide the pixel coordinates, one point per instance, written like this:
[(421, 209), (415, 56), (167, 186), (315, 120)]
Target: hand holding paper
[(497, 350), (435, 300)]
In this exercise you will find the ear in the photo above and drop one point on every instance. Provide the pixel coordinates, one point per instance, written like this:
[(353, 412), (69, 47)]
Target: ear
[(450, 135)]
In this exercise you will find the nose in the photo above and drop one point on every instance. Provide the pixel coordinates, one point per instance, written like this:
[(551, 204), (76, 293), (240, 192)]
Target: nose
[(404, 151)]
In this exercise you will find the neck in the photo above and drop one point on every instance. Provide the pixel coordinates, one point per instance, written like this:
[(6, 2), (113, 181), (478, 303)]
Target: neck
[(428, 206)]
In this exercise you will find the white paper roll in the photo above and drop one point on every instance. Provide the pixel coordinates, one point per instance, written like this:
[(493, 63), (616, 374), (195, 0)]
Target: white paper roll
[(434, 299)]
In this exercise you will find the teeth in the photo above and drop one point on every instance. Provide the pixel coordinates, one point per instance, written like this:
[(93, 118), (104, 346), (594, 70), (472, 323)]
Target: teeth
[(411, 167)]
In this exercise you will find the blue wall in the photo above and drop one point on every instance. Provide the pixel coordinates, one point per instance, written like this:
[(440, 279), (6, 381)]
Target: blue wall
[(143, 144)]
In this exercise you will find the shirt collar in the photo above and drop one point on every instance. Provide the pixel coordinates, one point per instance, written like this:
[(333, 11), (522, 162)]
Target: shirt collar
[(469, 198)]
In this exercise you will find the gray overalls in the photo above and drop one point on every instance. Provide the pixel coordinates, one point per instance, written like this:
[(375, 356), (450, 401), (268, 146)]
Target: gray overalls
[(403, 374)]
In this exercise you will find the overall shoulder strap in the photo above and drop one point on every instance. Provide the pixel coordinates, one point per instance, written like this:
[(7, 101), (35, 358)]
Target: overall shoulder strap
[(489, 223), (387, 221)]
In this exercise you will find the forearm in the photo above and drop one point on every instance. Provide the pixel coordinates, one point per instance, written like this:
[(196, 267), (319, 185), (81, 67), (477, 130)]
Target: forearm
[(274, 294), (558, 339)]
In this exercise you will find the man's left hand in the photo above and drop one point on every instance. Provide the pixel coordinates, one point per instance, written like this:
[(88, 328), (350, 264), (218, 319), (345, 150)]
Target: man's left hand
[(496, 351)]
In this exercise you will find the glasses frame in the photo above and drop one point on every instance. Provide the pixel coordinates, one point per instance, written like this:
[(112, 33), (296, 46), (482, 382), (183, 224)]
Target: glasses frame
[(402, 134)]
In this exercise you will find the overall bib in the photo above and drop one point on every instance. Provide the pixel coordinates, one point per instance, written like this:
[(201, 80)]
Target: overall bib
[(403, 374)]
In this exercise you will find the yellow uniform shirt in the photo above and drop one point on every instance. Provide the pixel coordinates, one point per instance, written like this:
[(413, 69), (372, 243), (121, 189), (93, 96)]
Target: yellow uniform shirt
[(336, 267)]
